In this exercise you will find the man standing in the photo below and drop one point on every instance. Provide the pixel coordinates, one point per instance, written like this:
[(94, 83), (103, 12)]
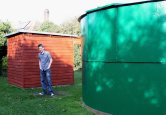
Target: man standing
[(45, 61)]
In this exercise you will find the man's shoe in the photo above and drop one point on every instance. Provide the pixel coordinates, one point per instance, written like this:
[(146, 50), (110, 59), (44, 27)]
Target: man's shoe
[(41, 94), (52, 94)]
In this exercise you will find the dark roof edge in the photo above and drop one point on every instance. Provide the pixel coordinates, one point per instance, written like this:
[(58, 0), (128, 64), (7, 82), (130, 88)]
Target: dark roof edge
[(114, 6), (40, 33)]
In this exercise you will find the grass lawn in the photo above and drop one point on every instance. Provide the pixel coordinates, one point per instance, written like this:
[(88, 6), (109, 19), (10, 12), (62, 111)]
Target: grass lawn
[(17, 101)]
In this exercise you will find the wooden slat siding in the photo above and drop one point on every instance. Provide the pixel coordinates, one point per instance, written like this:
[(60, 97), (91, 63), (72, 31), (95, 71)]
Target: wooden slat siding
[(16, 84), (15, 80), (31, 84), (78, 41), (67, 82), (23, 62), (15, 67)]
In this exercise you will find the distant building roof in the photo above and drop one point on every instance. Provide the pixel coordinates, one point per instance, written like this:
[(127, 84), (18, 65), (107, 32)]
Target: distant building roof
[(40, 33)]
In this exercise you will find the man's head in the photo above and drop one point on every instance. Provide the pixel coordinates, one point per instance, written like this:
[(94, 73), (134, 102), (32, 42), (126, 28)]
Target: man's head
[(41, 47)]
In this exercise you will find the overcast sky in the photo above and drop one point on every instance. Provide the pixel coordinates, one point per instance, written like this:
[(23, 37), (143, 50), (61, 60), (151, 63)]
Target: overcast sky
[(60, 10)]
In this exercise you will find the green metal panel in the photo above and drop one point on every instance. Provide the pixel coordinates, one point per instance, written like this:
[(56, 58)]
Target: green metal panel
[(84, 32), (124, 55), (99, 42), (141, 33), (125, 88)]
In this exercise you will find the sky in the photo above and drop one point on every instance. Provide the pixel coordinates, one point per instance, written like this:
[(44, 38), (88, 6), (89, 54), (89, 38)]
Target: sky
[(16, 11)]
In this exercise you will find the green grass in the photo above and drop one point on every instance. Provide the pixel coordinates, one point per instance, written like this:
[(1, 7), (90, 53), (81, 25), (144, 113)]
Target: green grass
[(17, 101)]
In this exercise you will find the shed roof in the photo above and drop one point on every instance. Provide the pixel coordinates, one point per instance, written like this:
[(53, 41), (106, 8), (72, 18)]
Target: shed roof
[(39, 33)]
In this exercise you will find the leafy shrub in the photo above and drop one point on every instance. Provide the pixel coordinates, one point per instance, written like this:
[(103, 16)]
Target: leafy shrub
[(4, 62), (77, 57)]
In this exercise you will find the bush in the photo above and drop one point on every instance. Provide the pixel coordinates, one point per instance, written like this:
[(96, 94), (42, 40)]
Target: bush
[(77, 57), (3, 66), (4, 62)]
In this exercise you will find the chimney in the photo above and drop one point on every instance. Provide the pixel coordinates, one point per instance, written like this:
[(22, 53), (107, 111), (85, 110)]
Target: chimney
[(46, 15)]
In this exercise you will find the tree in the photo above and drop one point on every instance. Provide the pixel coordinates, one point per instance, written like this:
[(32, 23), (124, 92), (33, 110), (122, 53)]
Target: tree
[(77, 57), (48, 27), (71, 26), (5, 28)]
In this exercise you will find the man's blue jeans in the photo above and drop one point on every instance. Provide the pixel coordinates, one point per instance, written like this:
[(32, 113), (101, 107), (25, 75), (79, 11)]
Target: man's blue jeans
[(45, 77)]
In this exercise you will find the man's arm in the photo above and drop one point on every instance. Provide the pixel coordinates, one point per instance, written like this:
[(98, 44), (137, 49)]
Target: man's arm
[(49, 66), (39, 64), (51, 60)]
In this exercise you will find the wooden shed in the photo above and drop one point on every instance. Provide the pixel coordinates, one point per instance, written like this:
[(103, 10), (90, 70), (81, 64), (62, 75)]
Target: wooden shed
[(23, 66)]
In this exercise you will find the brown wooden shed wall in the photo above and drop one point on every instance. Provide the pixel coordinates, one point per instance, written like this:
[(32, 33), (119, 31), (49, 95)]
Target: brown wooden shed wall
[(23, 66)]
